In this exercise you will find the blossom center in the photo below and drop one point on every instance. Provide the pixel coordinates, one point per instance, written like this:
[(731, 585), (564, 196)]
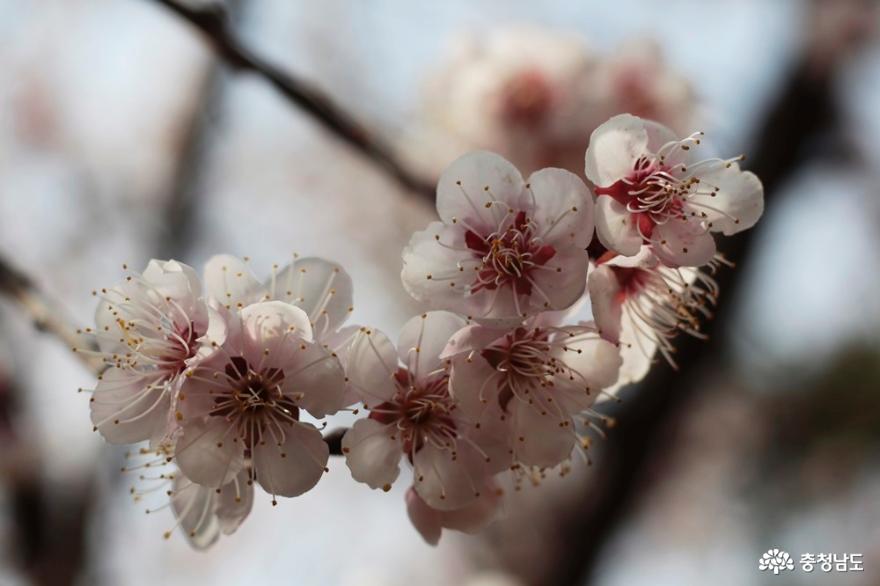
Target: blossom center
[(526, 99), (508, 256), (667, 301), (524, 356), (182, 345), (652, 192), (421, 412), (253, 400)]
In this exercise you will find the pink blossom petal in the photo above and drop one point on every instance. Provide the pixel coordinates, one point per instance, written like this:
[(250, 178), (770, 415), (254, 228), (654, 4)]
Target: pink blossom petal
[(234, 503), (474, 384), (314, 377), (128, 407), (208, 453), (425, 519), (541, 437), (173, 279), (448, 479), (636, 352), (372, 454), (193, 507), (292, 464), (476, 516)]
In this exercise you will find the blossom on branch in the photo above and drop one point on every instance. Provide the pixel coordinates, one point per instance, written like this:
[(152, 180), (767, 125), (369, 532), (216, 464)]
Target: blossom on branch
[(150, 328), (504, 248), (540, 378), (652, 189), (241, 408), (413, 415)]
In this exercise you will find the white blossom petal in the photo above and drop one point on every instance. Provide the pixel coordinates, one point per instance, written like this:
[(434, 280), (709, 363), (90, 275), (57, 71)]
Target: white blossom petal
[(613, 149), (541, 438), (606, 302), (423, 339), (470, 186), (128, 407), (556, 290), (616, 227), (563, 208), (682, 243), (319, 287), (372, 454), (437, 266), (208, 452), (292, 464), (372, 363), (738, 203), (447, 480), (425, 519), (230, 281)]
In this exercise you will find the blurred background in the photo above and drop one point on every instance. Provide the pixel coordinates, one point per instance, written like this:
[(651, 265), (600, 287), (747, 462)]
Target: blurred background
[(123, 137)]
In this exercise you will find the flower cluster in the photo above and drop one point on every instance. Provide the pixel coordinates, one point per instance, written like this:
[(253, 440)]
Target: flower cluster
[(532, 94), (495, 383), (217, 378)]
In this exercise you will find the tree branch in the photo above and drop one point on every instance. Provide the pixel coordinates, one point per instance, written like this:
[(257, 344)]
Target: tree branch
[(46, 315), (213, 23)]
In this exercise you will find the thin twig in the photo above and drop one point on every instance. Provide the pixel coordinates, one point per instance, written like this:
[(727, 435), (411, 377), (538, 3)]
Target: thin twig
[(213, 22), (46, 315)]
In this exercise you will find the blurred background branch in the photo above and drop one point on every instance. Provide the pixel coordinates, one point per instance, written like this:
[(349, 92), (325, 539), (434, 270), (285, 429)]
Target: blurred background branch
[(46, 315), (212, 21)]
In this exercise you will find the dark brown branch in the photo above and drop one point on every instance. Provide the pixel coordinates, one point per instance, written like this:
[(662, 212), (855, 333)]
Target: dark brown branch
[(213, 22), (334, 440)]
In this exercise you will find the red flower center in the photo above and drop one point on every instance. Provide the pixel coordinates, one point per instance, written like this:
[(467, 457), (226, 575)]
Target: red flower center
[(422, 412), (526, 99), (651, 193), (508, 257)]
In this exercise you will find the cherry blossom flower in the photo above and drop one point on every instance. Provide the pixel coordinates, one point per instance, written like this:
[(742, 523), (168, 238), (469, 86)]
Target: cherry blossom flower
[(241, 408), (203, 513), (643, 305), (150, 329), (651, 189), (540, 376), (412, 414), (505, 248), (635, 79), (520, 91), (532, 94), (319, 287), (472, 518)]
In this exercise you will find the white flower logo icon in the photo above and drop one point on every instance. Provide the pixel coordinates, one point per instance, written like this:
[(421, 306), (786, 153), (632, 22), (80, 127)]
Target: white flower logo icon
[(776, 560)]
